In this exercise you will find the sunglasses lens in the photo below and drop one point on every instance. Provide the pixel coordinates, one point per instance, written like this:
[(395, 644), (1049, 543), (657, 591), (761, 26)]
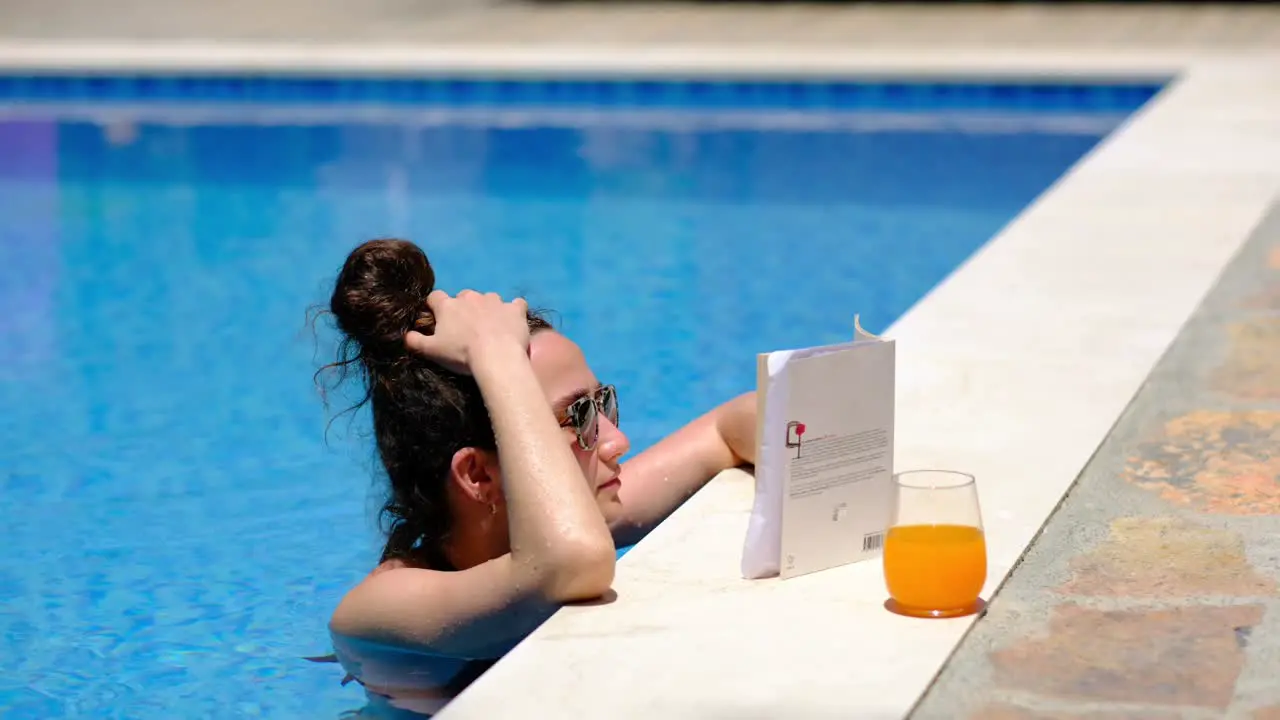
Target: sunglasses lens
[(609, 403), (583, 414)]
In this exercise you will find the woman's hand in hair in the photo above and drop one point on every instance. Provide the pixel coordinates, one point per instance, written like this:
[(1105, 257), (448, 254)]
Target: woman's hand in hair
[(467, 325)]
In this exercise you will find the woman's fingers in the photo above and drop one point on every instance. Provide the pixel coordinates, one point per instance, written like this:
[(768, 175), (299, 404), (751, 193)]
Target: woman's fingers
[(436, 298), (418, 343)]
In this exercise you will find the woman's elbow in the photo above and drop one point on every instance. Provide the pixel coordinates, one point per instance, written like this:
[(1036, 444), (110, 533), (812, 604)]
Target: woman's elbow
[(581, 572)]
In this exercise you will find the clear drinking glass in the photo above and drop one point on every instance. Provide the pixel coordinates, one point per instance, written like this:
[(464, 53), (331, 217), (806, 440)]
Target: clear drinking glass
[(935, 553)]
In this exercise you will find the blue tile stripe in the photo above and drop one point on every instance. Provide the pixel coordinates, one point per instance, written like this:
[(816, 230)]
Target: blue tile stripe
[(581, 93)]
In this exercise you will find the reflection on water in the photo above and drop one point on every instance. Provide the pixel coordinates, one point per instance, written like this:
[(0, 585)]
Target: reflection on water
[(29, 256)]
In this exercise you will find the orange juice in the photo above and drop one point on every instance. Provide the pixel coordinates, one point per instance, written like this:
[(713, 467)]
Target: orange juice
[(937, 568)]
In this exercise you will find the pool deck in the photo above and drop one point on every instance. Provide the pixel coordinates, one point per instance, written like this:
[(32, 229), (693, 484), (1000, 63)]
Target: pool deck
[(1086, 27), (1153, 590)]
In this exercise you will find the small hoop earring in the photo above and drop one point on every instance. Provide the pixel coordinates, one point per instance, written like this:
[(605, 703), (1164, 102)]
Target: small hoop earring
[(493, 508)]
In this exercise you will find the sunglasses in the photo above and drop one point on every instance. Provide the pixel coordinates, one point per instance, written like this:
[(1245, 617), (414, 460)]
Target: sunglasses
[(583, 415)]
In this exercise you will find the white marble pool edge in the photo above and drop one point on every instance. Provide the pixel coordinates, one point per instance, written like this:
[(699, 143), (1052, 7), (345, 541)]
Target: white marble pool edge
[(1014, 368)]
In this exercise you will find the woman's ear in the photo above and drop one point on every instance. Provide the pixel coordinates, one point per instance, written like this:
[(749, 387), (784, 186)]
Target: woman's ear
[(475, 473)]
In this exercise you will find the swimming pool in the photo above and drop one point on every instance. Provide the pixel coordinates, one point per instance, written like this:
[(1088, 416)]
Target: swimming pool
[(176, 527)]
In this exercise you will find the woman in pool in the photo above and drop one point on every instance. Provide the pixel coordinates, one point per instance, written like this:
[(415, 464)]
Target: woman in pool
[(508, 493)]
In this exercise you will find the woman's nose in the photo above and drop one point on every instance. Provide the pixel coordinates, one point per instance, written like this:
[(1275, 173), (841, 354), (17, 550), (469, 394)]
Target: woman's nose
[(613, 442)]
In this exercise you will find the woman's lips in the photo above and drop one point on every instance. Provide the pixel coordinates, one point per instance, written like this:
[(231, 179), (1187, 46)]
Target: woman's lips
[(613, 482)]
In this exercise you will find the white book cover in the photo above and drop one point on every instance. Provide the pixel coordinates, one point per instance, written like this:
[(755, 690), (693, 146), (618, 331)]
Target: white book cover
[(824, 469)]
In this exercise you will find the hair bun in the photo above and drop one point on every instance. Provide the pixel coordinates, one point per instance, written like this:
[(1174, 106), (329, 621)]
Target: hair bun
[(381, 294)]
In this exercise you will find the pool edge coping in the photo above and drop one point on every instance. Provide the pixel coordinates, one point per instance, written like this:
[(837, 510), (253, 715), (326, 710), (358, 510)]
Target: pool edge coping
[(540, 60)]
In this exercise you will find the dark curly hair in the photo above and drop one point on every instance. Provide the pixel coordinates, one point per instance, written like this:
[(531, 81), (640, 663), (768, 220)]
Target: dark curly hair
[(422, 412)]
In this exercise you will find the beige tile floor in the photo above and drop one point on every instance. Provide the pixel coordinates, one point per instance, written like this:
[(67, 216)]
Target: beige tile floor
[(1230, 27)]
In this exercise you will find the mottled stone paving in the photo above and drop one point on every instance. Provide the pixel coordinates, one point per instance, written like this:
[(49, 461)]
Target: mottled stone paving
[(1154, 591)]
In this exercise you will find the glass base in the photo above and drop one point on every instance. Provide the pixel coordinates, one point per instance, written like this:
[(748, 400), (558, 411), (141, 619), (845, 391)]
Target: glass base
[(895, 607)]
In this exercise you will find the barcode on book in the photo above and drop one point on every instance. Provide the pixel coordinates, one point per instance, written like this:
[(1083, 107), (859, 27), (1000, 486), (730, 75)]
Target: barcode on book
[(872, 541)]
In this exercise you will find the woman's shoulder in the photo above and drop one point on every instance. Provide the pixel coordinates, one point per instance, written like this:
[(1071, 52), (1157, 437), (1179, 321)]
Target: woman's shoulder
[(371, 596), (395, 663), (474, 613)]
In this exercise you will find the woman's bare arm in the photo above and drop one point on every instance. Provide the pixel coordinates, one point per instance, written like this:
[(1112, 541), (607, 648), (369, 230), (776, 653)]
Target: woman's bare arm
[(657, 480)]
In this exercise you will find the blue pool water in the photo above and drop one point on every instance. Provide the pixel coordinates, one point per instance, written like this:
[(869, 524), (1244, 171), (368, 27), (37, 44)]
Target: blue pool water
[(176, 529)]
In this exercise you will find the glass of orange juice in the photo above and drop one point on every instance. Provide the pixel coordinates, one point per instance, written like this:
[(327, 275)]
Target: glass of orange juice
[(935, 554)]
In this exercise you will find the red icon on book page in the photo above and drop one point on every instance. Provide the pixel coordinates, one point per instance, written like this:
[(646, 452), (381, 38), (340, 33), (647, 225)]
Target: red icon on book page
[(795, 436)]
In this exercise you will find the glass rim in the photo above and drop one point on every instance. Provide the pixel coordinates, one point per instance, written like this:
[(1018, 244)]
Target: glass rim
[(963, 479)]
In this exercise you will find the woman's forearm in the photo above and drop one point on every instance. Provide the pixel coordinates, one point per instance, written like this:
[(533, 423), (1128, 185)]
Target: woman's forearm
[(556, 528), (665, 475)]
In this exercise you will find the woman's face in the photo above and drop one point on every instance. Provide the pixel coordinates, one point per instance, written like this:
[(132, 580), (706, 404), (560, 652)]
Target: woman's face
[(565, 377)]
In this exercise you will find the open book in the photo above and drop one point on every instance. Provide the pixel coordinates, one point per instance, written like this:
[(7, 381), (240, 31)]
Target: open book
[(824, 459)]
